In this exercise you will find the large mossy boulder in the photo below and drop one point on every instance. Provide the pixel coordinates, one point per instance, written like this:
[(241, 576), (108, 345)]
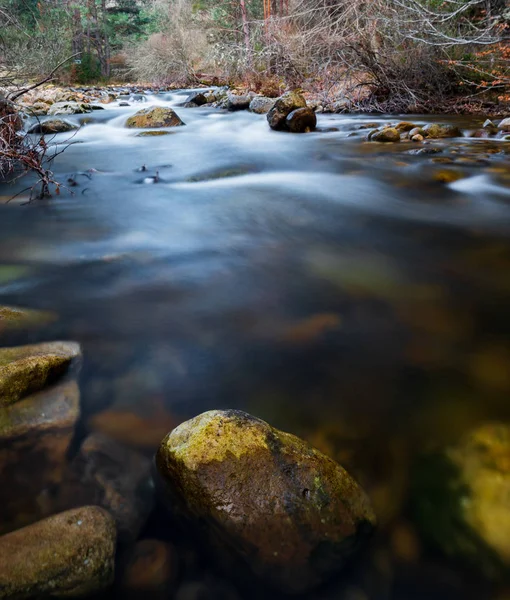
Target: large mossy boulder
[(461, 500), (67, 555), (277, 115), (149, 118), (35, 438), (28, 369), (281, 507), (388, 134), (436, 130)]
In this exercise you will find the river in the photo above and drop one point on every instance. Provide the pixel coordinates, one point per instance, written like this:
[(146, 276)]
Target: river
[(353, 293)]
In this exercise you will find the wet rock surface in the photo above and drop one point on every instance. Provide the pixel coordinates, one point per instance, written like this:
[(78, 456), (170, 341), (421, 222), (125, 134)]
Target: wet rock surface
[(27, 369), (52, 126), (461, 497), (35, 436), (301, 120), (154, 117), (277, 115), (66, 555), (261, 105), (389, 134), (107, 474), (292, 514)]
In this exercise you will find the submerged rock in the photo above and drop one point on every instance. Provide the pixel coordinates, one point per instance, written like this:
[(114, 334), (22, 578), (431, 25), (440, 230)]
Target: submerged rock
[(27, 369), (18, 318), (261, 105), (435, 130), (151, 567), (461, 500), (66, 555), (148, 118), (52, 126), (285, 104), (114, 477), (35, 436), (289, 512), (301, 120)]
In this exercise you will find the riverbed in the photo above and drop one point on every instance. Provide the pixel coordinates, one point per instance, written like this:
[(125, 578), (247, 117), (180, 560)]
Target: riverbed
[(353, 293)]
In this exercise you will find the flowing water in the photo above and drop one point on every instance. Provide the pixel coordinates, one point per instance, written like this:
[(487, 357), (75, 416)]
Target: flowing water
[(353, 293)]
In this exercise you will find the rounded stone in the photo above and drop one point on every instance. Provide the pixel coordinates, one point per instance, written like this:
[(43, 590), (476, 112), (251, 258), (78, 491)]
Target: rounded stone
[(390, 134), (461, 499), (301, 120), (435, 130), (52, 126), (148, 118), (266, 497), (69, 554), (285, 104)]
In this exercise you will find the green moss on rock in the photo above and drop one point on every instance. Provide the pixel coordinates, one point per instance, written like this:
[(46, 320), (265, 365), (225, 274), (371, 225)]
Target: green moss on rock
[(289, 512), (149, 118), (27, 369), (67, 555), (461, 500)]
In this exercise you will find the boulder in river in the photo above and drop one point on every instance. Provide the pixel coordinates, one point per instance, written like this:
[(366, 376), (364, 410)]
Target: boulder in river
[(283, 106), (52, 126), (27, 369), (436, 130), (109, 475), (261, 105), (283, 508), (196, 98), (69, 108), (67, 555), (35, 436), (461, 499), (235, 102), (301, 120), (389, 134), (149, 118), (504, 125), (404, 126)]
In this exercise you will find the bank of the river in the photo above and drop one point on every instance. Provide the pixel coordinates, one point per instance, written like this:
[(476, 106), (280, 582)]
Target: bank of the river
[(344, 288)]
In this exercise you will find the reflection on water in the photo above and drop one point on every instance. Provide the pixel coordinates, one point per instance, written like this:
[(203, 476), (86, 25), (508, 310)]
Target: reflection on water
[(355, 294)]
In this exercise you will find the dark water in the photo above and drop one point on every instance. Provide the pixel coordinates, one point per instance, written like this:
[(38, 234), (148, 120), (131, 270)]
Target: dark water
[(343, 291)]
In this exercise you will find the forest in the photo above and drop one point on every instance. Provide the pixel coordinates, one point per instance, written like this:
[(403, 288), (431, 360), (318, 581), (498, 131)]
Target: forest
[(389, 55)]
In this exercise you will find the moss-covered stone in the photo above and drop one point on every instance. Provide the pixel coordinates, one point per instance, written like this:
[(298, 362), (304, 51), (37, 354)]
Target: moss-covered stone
[(435, 130), (35, 436), (66, 555), (461, 500), (52, 126), (282, 507), (27, 369), (285, 104), (149, 118), (19, 318), (390, 134)]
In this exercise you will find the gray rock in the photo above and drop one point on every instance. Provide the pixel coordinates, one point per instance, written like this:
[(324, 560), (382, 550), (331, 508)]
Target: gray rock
[(69, 108), (261, 105), (238, 102), (66, 555), (197, 98)]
